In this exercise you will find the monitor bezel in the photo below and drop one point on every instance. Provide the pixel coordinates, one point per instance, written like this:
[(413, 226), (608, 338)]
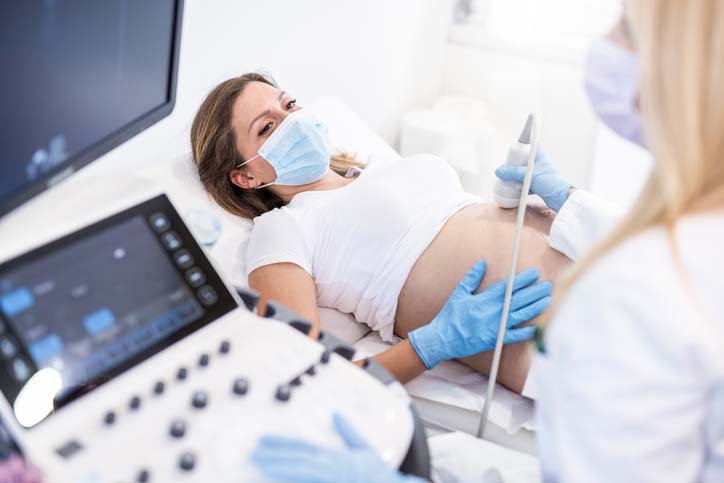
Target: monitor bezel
[(113, 140)]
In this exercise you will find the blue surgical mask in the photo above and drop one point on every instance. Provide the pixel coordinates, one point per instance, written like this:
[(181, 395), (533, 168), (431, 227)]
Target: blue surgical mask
[(612, 87), (298, 150)]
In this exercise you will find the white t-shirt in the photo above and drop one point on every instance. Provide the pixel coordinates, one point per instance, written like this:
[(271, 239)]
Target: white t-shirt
[(359, 242)]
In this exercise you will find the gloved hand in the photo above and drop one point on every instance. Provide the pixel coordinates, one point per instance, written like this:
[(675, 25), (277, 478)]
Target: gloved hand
[(546, 181), (468, 323), (294, 460)]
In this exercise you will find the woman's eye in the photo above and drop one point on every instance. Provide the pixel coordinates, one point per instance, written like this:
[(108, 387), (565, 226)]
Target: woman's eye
[(265, 129), (291, 104)]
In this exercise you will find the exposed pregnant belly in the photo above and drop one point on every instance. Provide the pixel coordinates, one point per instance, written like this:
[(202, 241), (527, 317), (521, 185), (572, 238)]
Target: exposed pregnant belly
[(481, 231)]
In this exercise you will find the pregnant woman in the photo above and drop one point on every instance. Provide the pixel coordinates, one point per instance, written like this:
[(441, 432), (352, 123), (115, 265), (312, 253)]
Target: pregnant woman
[(389, 243)]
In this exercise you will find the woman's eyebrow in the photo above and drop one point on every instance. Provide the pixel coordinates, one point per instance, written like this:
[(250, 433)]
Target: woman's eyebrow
[(281, 94)]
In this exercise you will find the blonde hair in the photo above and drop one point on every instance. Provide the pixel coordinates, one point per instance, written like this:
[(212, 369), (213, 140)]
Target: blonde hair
[(680, 45), (215, 153)]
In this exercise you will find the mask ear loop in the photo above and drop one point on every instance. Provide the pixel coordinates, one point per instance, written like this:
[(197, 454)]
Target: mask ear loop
[(244, 162), (252, 159), (265, 185)]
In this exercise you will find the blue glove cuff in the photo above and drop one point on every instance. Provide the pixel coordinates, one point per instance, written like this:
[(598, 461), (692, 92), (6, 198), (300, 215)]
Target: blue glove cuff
[(424, 346), (556, 199)]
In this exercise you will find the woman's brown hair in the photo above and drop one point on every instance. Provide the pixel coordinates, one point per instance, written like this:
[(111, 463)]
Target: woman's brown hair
[(215, 154)]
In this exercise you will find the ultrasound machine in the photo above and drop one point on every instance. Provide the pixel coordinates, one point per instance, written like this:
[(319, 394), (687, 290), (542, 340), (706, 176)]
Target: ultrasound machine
[(124, 354)]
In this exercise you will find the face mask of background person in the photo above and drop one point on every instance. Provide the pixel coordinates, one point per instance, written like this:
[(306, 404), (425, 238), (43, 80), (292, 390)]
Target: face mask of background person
[(298, 150), (611, 81)]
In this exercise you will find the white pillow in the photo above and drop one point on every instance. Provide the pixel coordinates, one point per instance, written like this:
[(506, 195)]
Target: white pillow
[(342, 325), (349, 133)]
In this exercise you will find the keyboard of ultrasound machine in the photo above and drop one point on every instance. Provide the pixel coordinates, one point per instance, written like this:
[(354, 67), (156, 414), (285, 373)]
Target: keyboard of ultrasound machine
[(199, 416), (165, 376)]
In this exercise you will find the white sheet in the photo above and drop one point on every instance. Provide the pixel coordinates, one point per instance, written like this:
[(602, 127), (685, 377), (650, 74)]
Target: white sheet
[(454, 384), (459, 457)]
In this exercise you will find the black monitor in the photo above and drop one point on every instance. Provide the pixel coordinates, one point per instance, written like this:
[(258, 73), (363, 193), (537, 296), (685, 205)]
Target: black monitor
[(79, 77)]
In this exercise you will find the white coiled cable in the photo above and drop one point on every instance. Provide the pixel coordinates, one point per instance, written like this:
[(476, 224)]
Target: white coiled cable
[(534, 121)]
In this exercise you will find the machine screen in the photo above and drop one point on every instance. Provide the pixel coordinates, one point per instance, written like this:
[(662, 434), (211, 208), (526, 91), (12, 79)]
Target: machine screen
[(79, 77), (89, 307)]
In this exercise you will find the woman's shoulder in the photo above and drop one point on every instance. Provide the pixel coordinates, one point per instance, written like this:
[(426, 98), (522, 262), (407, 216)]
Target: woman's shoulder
[(639, 269), (274, 223), (647, 249), (664, 258), (639, 306), (270, 218), (276, 238), (634, 291)]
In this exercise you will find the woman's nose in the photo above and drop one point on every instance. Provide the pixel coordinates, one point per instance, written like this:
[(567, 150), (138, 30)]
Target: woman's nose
[(282, 113)]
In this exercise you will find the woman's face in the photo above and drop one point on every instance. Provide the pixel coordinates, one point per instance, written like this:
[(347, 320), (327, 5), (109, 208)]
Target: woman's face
[(256, 113)]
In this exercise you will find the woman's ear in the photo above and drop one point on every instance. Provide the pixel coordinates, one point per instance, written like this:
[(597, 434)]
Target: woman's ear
[(242, 178)]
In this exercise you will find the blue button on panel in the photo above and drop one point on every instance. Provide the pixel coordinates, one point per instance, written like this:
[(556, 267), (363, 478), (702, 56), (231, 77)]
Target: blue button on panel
[(99, 320), (195, 277), (16, 301), (171, 240), (183, 258), (43, 350), (20, 369), (8, 349)]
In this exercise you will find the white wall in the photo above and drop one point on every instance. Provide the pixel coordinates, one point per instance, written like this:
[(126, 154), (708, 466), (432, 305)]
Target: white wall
[(513, 81), (379, 57), (518, 56)]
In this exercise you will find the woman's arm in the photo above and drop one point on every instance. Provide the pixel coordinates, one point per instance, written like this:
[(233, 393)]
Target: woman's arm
[(466, 325), (290, 285), (401, 361)]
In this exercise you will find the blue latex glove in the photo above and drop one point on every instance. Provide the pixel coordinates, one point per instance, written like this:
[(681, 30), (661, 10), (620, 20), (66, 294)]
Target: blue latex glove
[(468, 323), (546, 181), (293, 460)]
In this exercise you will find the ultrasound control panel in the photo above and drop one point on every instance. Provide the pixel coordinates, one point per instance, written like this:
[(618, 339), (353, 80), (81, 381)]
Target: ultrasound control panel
[(124, 357), (94, 303)]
